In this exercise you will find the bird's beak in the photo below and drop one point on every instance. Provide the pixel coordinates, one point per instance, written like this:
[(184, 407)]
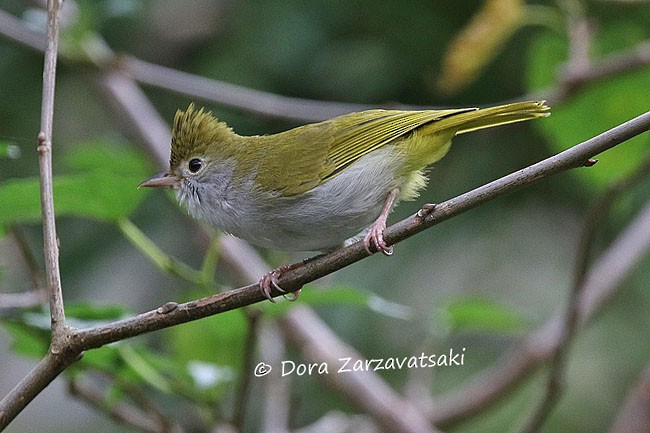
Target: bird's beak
[(161, 180)]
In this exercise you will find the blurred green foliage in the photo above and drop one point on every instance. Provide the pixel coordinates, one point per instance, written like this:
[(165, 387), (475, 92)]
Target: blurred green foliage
[(478, 282), (100, 186)]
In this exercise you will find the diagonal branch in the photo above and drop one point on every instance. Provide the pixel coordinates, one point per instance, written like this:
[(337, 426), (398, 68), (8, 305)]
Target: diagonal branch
[(172, 314)]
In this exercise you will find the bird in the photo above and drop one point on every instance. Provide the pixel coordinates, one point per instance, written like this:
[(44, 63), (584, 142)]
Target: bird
[(320, 185)]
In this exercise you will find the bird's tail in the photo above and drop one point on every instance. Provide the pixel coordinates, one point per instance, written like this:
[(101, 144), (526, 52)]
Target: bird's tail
[(468, 121)]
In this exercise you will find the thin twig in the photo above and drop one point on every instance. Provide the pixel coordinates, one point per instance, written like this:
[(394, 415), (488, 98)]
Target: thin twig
[(51, 247)]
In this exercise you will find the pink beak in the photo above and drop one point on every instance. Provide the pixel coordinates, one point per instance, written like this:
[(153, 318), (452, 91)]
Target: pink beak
[(161, 180)]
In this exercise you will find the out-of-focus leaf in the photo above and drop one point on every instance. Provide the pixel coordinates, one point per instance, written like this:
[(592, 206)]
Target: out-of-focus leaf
[(198, 381), (479, 42), (207, 375), (103, 186), (474, 314), (29, 341), (9, 151), (217, 339), (147, 372), (594, 109)]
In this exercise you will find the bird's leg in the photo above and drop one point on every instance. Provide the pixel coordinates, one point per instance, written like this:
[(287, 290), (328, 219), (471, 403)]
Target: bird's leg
[(271, 280), (375, 233)]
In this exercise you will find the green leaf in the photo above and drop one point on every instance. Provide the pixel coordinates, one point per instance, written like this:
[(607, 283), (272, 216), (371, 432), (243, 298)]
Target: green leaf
[(103, 186), (147, 372), (475, 314), (105, 358), (198, 381), (594, 108), (29, 341), (218, 339)]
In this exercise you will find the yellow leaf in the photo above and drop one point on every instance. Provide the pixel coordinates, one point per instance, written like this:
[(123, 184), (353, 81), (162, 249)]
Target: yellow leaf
[(478, 42)]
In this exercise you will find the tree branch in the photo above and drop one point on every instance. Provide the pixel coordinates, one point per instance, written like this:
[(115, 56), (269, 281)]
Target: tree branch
[(293, 280), (31, 385)]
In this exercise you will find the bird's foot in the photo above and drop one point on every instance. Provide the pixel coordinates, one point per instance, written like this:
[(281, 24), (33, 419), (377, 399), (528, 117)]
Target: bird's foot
[(375, 236), (271, 280)]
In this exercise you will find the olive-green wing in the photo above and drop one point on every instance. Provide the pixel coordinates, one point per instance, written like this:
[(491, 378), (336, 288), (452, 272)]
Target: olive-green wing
[(318, 152), (361, 133)]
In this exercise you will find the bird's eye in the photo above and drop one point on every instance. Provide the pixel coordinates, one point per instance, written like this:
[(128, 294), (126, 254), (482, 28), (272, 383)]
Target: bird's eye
[(195, 165)]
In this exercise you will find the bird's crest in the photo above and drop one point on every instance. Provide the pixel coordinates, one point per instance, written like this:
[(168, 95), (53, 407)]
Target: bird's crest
[(194, 131)]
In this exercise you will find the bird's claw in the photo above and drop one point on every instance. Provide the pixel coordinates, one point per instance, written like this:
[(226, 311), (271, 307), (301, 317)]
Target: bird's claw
[(268, 282), (271, 280), (375, 236)]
